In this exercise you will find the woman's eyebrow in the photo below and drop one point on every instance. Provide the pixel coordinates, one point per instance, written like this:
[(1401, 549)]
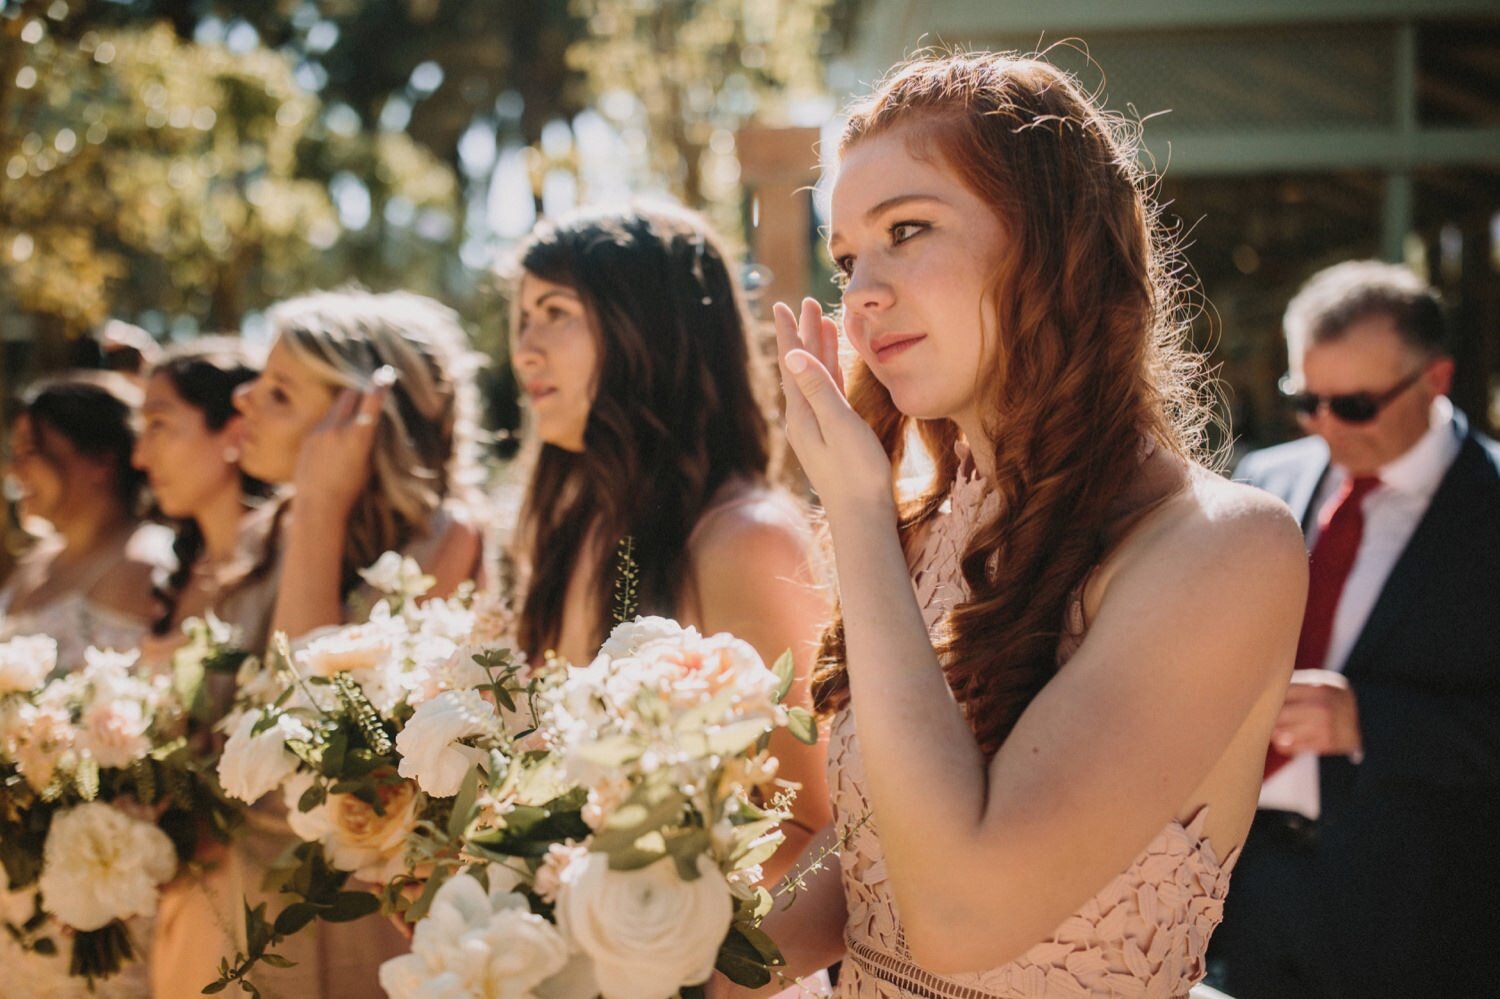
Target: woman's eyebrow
[(896, 201)]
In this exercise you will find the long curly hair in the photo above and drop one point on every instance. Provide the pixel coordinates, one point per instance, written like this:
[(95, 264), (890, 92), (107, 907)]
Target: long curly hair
[(1090, 359), (680, 408), (426, 435)]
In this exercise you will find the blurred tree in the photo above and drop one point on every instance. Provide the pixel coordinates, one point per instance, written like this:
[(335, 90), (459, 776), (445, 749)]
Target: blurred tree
[(694, 71), (148, 173)]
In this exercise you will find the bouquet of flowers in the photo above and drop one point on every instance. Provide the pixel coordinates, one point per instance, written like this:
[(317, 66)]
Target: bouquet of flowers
[(643, 877), (342, 729), (101, 798), (556, 831)]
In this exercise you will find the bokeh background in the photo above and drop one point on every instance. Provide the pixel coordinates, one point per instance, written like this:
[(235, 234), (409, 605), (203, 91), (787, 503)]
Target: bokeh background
[(183, 164)]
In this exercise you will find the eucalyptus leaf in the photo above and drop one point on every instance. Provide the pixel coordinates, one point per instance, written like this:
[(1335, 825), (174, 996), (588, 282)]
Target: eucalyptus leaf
[(785, 669), (802, 725)]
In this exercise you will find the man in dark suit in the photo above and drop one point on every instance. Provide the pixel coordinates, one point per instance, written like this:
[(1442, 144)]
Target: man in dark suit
[(1373, 865)]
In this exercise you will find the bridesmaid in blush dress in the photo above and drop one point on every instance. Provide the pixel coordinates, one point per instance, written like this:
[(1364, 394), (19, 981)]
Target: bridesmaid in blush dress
[(1054, 669)]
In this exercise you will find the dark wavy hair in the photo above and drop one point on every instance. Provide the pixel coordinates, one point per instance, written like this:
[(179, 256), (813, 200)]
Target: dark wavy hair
[(95, 411), (204, 374), (680, 408), (1090, 359)]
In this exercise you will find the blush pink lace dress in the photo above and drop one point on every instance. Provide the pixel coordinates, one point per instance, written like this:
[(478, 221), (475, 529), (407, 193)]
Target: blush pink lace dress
[(1143, 935)]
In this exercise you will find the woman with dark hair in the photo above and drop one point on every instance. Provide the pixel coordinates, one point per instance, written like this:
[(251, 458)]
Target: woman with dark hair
[(189, 448), (87, 581), (1055, 669), (633, 347)]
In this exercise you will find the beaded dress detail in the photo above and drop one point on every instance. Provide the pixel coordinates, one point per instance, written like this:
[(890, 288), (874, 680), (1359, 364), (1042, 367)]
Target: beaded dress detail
[(1144, 935)]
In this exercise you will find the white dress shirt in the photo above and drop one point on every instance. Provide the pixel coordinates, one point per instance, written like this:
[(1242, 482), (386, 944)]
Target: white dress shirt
[(1392, 511)]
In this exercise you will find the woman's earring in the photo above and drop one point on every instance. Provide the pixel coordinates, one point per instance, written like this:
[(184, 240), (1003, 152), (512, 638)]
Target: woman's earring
[(231, 455)]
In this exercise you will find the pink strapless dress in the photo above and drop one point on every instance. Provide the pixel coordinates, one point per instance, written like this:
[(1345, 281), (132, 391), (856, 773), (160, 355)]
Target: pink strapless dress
[(1144, 935)]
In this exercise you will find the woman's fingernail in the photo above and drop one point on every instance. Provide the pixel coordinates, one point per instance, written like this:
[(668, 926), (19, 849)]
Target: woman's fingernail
[(384, 376), (796, 363)]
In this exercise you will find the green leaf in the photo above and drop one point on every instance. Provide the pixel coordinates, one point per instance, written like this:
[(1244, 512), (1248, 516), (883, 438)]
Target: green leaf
[(463, 803), (351, 905), (312, 798), (741, 962), (418, 909), (277, 961), (786, 671), (215, 987), (294, 917), (334, 752), (802, 725)]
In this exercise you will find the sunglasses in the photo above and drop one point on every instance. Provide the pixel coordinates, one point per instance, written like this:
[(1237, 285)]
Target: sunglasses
[(1355, 407)]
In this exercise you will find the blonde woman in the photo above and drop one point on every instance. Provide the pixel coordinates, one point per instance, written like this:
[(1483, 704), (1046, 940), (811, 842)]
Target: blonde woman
[(365, 409)]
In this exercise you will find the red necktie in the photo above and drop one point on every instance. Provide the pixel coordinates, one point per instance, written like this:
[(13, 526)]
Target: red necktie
[(1339, 529)]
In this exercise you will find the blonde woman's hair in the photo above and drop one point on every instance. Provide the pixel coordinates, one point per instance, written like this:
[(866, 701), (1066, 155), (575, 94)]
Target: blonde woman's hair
[(426, 436)]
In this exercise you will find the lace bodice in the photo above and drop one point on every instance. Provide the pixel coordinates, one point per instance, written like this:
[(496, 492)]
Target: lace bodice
[(1144, 934)]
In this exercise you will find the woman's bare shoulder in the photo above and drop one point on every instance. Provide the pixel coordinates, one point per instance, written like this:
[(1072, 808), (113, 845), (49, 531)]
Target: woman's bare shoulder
[(1215, 522), (756, 521)]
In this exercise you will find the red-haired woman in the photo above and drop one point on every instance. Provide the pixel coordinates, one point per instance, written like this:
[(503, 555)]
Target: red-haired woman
[(1054, 671)]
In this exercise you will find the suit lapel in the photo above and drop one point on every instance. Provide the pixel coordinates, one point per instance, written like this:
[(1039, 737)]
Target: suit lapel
[(1424, 556), (1304, 490)]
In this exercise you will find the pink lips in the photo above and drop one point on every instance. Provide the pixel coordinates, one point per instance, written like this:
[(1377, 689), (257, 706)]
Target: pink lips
[(537, 391), (889, 346)]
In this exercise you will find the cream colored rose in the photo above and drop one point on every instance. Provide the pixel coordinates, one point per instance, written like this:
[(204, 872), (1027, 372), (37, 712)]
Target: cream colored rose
[(358, 647), (113, 731), (703, 668), (99, 864), (431, 753), (25, 662), (254, 764), (354, 837), (647, 931), (478, 944), (40, 738)]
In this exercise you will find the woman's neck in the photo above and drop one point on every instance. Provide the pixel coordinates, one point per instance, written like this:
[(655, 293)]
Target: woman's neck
[(981, 448), (90, 530), (219, 522)]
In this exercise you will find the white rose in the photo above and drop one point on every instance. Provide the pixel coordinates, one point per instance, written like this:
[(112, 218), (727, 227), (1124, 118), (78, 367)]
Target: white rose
[(385, 574), (100, 864), (480, 944), (25, 662), (648, 931), (626, 638), (254, 764), (429, 744)]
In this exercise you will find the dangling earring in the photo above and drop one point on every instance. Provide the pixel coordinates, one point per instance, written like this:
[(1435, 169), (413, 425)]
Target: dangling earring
[(231, 455)]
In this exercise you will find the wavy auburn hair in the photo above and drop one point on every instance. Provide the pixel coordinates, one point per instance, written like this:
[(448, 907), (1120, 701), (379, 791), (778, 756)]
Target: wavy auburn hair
[(679, 409), (1089, 359)]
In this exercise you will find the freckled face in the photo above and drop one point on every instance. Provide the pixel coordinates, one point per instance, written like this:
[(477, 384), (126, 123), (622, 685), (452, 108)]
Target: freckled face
[(279, 408), (917, 251), (555, 356)]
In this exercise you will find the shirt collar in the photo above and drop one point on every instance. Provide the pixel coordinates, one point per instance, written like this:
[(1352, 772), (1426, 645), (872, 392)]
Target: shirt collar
[(1420, 470)]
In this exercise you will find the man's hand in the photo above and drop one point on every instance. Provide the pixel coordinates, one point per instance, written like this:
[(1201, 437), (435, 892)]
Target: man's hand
[(1319, 716)]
